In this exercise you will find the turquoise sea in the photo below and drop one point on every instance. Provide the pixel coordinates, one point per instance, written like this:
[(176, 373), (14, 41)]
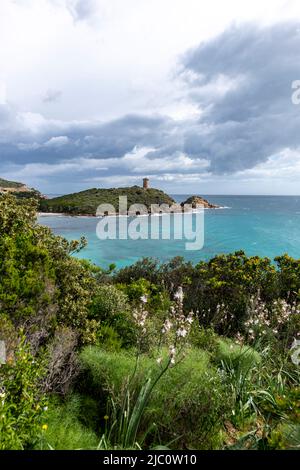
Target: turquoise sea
[(259, 225)]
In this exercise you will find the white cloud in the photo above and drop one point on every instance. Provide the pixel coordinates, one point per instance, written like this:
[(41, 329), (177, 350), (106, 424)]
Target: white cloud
[(57, 141), (284, 166)]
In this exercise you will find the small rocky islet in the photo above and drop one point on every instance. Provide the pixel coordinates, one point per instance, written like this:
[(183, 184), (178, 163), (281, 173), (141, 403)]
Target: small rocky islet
[(196, 201)]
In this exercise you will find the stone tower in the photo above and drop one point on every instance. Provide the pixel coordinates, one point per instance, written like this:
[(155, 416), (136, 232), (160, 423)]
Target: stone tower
[(146, 183)]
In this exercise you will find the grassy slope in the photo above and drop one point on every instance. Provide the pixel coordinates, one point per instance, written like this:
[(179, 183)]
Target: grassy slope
[(86, 202), (65, 429), (191, 392)]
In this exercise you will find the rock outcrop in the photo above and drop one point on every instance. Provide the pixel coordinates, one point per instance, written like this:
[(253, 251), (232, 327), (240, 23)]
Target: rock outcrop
[(195, 201)]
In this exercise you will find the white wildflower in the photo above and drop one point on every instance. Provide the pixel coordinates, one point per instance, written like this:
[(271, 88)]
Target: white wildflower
[(166, 326), (181, 332), (179, 294), (190, 318)]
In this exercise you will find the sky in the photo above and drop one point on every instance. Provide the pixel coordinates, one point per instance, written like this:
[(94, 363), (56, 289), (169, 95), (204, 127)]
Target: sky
[(195, 95)]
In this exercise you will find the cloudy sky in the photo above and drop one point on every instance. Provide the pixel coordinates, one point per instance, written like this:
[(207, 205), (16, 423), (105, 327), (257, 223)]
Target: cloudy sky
[(195, 95)]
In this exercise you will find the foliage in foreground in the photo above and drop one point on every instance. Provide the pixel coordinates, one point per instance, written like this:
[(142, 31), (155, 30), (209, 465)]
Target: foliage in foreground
[(235, 387), (65, 429), (22, 403), (191, 392)]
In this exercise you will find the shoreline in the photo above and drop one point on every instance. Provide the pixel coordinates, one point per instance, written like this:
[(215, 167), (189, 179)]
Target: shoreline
[(65, 214)]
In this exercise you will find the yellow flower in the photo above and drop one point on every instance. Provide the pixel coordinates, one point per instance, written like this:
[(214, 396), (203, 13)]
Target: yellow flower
[(45, 427), (106, 417)]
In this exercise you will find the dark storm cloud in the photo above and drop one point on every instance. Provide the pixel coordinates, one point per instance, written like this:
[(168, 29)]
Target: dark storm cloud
[(242, 79), (118, 137), (55, 141)]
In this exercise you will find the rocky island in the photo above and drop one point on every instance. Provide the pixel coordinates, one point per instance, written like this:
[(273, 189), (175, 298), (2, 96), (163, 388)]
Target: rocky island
[(195, 201), (87, 202)]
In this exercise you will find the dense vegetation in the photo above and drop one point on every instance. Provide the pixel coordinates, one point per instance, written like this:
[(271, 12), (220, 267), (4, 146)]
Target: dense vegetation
[(173, 355), (87, 202)]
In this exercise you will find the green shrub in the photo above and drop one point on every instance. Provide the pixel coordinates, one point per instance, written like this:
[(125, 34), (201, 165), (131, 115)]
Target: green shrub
[(22, 404), (204, 338), (288, 277), (109, 339), (137, 289), (111, 310), (41, 284), (108, 304)]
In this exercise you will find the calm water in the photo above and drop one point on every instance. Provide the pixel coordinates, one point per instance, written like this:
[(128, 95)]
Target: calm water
[(259, 225)]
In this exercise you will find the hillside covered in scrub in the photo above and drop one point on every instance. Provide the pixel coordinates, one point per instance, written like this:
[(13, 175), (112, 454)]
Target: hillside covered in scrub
[(20, 190), (168, 354), (5, 184), (87, 202)]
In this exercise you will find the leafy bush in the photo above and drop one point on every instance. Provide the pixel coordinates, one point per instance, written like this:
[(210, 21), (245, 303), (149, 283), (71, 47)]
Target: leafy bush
[(158, 300), (204, 338), (289, 277), (111, 310), (41, 284), (109, 339), (22, 404), (146, 268), (108, 304)]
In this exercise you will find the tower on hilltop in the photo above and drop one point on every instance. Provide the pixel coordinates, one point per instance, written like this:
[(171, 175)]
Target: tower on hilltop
[(146, 183)]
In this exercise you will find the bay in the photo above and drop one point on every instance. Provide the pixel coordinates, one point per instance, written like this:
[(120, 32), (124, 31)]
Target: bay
[(259, 225)]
